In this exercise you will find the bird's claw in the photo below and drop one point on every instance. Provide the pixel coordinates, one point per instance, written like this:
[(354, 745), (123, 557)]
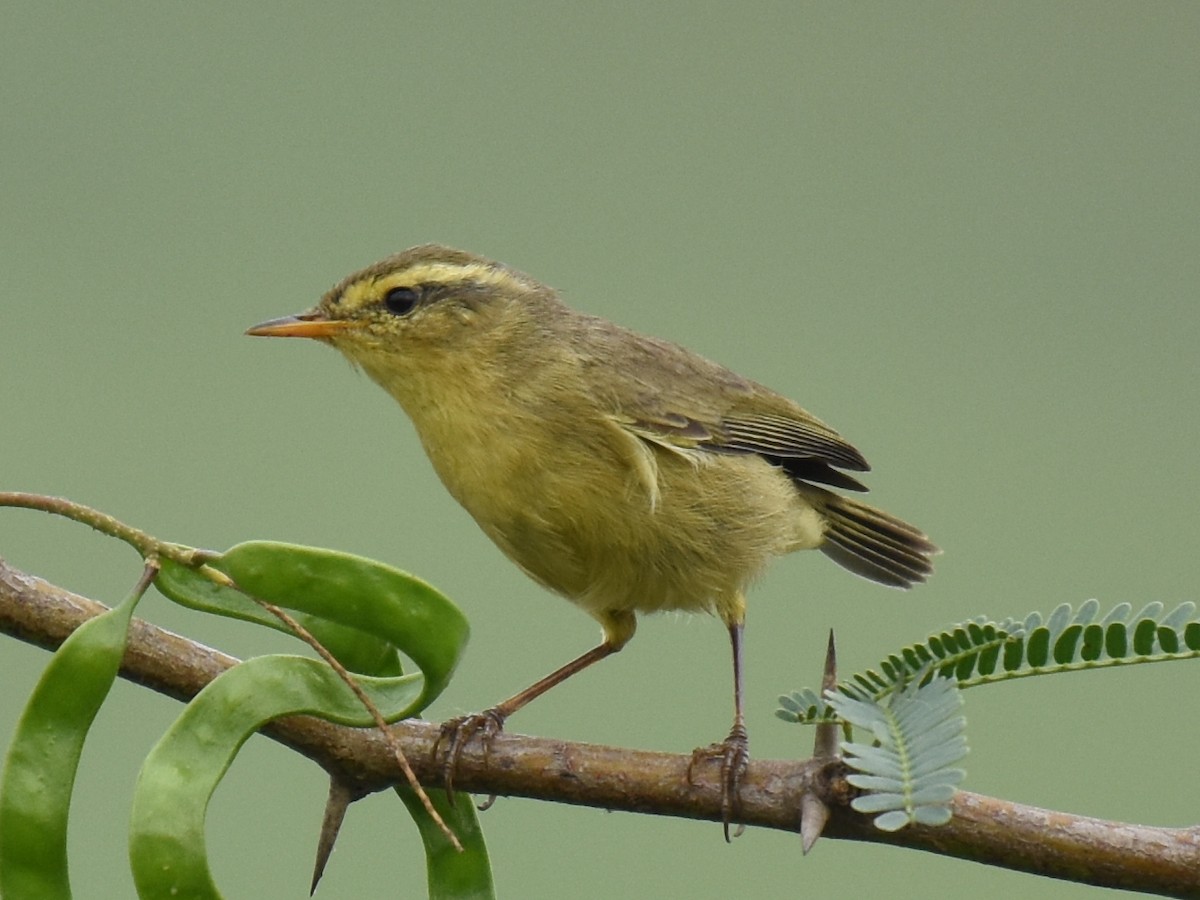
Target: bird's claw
[(456, 733), (734, 755)]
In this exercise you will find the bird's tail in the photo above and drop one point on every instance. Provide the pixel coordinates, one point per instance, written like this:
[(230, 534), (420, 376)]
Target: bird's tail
[(872, 543)]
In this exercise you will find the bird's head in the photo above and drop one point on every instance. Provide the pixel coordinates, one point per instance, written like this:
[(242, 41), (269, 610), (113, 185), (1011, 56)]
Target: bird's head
[(426, 300), (425, 310)]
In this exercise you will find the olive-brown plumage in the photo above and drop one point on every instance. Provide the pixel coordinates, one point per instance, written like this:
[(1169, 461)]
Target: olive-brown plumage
[(623, 472)]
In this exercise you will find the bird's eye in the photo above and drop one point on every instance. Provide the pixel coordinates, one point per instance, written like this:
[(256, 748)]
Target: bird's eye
[(401, 300)]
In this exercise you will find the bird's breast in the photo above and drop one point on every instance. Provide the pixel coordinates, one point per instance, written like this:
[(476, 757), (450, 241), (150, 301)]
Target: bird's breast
[(613, 525), (595, 513)]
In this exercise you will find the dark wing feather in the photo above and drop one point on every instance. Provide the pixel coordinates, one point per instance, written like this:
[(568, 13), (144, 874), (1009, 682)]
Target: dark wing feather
[(805, 469), (806, 454), (685, 402), (775, 435)]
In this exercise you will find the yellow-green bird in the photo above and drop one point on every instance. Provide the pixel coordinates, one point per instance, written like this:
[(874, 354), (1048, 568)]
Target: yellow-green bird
[(626, 473)]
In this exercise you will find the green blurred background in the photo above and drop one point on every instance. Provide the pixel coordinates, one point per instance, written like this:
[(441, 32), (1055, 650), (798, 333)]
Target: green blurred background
[(963, 233)]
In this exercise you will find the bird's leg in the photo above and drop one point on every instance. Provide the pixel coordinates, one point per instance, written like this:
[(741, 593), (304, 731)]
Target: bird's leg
[(456, 733), (733, 752)]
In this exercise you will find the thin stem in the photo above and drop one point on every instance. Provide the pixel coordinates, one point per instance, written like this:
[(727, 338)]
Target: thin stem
[(149, 573), (145, 544)]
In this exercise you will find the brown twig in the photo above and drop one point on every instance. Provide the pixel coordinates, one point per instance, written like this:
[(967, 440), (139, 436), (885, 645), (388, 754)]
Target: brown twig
[(985, 829), (145, 544)]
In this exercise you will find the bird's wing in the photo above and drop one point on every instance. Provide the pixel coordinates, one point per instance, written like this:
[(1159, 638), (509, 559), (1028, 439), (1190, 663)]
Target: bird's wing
[(685, 403), (805, 452), (797, 436)]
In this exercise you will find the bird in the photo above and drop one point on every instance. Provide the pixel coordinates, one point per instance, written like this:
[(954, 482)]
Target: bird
[(626, 473)]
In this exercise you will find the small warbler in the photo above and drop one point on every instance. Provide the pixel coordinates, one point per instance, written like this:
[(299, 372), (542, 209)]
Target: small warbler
[(626, 473)]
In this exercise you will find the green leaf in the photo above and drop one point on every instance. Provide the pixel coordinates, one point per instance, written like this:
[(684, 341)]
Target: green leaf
[(931, 815), (40, 767), (166, 847), (1168, 639), (364, 612), (1064, 646), (354, 648), (804, 706), (969, 653), (936, 646), (1093, 643), (1037, 647), (1143, 637), (359, 593), (894, 821), (452, 875), (1191, 636), (966, 665), (908, 776), (988, 659), (1116, 643), (1014, 654)]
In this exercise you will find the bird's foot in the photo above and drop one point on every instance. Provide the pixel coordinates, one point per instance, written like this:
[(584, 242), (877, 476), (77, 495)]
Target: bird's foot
[(457, 733), (734, 755)]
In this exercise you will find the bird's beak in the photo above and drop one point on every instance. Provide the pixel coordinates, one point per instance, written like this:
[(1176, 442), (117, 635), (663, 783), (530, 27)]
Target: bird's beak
[(305, 325)]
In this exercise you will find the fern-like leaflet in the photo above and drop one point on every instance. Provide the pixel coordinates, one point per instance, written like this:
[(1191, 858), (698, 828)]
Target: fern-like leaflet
[(910, 702)]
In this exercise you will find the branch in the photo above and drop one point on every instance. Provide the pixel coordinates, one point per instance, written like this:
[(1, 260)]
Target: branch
[(985, 829)]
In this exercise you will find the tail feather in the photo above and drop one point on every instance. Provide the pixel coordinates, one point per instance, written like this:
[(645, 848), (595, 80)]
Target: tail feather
[(872, 543)]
